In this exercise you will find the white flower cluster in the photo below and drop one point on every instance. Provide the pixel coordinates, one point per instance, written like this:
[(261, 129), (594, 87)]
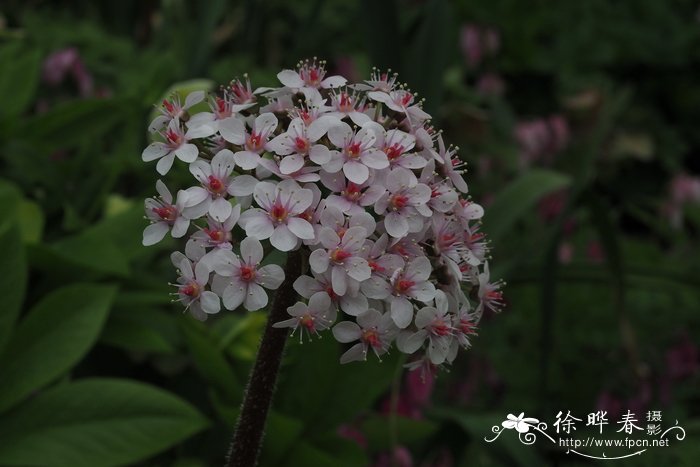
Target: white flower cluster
[(353, 174)]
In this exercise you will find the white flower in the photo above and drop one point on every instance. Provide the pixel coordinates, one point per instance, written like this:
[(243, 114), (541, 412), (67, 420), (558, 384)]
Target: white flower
[(215, 177), (279, 220), (164, 215), (298, 142), (191, 289), (176, 144), (310, 75), (254, 143), (405, 201), (374, 331), (243, 276), (317, 316), (357, 153), (342, 256), (171, 109)]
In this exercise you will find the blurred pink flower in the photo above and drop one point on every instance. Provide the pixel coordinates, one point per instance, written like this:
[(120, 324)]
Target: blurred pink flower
[(566, 253), (351, 433), (684, 189), (400, 457), (490, 84), (67, 62), (594, 252), (682, 359), (478, 42), (540, 139)]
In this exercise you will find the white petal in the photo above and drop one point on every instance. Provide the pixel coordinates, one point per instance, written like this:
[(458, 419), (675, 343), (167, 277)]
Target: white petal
[(339, 134), (356, 172), (256, 298), (283, 239), (346, 331), (155, 233), (357, 352), (290, 78), (319, 154), (292, 163), (247, 160), (193, 98), (318, 260), (243, 185), (375, 159), (401, 312), (301, 228), (339, 280), (180, 227), (232, 130), (210, 302), (233, 296), (222, 163), (333, 82), (220, 209), (187, 153), (271, 275), (307, 286), (251, 250), (154, 151), (165, 163), (396, 225), (257, 225)]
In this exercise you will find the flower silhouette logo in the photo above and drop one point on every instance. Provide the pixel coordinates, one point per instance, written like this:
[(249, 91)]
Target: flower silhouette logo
[(521, 423)]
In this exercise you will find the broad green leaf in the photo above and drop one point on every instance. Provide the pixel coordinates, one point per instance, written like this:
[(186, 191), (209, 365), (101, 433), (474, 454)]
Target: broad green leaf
[(96, 422), (53, 337), (140, 328), (519, 198), (94, 252), (377, 430), (13, 262), (13, 284), (31, 221), (210, 361), (19, 79), (315, 380)]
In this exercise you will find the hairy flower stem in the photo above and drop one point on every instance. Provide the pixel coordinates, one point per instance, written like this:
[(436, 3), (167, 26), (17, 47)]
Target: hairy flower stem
[(248, 434)]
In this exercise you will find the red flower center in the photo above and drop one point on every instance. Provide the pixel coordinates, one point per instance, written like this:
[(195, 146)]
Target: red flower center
[(354, 150), (254, 142), (308, 322), (466, 326), (167, 213), (352, 192), (371, 337), (173, 137), (394, 151), (216, 235), (329, 291), (403, 285), (301, 144), (398, 201), (439, 328), (169, 107), (278, 213), (375, 267), (247, 273), (340, 255), (216, 186), (191, 290)]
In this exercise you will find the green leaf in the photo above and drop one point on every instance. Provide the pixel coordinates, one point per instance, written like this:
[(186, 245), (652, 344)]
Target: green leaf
[(31, 221), (140, 328), (103, 422), (94, 252), (377, 430), (13, 262), (317, 362), (210, 361), (19, 79), (519, 198), (53, 337)]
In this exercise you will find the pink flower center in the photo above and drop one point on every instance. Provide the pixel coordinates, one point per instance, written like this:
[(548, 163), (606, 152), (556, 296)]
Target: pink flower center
[(406, 99), (341, 231), (371, 337), (354, 150), (173, 138), (494, 295), (308, 322), (278, 213), (331, 293), (466, 326), (439, 328), (216, 186), (216, 235), (220, 105), (247, 273), (169, 107), (345, 103), (301, 144), (339, 255), (375, 267), (394, 151), (167, 213), (190, 289), (352, 192), (255, 142), (403, 285), (398, 201)]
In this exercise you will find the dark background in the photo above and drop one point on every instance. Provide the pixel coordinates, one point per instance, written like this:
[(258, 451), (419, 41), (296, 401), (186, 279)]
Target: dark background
[(579, 122)]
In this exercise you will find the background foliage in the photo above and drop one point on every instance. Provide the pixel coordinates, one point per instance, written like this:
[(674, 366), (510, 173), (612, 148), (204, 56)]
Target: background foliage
[(579, 121)]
